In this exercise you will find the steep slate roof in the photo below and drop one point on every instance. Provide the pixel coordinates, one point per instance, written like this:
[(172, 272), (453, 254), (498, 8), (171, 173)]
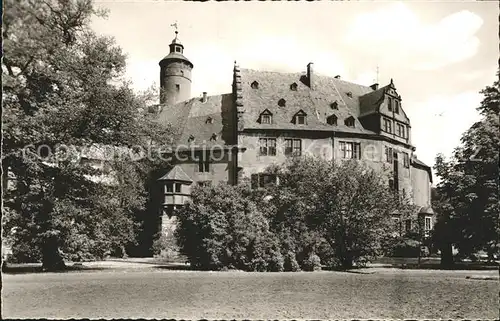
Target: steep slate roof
[(190, 118), (176, 174), (274, 86), (370, 102)]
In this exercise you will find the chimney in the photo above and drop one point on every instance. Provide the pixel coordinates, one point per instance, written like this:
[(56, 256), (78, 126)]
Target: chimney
[(204, 99), (310, 75), (374, 86), (337, 77)]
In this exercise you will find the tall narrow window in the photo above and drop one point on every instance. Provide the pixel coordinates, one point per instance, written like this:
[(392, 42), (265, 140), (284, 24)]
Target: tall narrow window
[(388, 154), (203, 163), (169, 188), (396, 106), (177, 187), (177, 87), (271, 146), (388, 125), (389, 103), (406, 160), (428, 224), (297, 147)]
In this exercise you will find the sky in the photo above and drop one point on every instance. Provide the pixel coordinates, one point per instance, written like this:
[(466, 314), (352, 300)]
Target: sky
[(439, 54)]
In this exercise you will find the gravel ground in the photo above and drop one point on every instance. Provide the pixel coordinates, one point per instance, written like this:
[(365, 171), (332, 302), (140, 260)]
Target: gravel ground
[(159, 293)]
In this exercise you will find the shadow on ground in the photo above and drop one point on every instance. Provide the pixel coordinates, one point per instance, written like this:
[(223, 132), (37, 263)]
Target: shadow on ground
[(37, 268)]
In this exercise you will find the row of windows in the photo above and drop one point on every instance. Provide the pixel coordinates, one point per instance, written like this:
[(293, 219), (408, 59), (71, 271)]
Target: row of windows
[(301, 119), (391, 155), (268, 147), (408, 224), (401, 129), (169, 188)]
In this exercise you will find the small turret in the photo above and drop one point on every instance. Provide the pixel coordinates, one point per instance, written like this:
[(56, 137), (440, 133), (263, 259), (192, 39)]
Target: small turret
[(175, 74)]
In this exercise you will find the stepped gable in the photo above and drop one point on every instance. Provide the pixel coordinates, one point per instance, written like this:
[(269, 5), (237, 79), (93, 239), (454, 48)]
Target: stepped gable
[(317, 103)]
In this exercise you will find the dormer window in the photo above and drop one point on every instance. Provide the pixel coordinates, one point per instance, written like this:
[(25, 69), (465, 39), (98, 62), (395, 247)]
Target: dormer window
[(209, 120), (332, 120), (300, 118), (266, 117), (191, 138), (349, 122), (255, 85), (293, 86), (282, 102), (349, 94), (177, 49), (334, 105)]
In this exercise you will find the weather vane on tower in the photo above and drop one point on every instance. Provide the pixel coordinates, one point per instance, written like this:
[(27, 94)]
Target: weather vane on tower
[(176, 27)]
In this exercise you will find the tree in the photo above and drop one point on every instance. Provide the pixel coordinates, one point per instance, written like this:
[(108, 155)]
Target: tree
[(470, 182), (341, 211), (221, 228), (62, 88)]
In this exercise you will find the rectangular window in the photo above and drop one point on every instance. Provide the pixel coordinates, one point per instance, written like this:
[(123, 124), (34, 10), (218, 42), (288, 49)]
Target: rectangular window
[(297, 147), (408, 225), (177, 187), (267, 146), (293, 147), (350, 150), (389, 103), (388, 125), (169, 188), (406, 160), (265, 119), (401, 130), (396, 106), (428, 223), (388, 154), (301, 119), (177, 87), (203, 163), (271, 146)]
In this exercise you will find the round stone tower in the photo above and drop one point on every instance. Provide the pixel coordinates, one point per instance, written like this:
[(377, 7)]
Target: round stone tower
[(175, 75)]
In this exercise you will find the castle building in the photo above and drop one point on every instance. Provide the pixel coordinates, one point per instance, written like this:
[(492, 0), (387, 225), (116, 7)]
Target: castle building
[(270, 116)]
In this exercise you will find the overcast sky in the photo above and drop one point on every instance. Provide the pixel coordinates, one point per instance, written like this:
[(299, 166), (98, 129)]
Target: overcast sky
[(440, 55)]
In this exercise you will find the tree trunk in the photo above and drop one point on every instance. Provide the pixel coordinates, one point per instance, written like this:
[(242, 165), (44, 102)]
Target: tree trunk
[(51, 258), (446, 255)]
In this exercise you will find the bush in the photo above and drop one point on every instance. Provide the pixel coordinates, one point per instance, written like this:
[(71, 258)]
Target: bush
[(312, 263), (165, 247), (406, 248), (220, 229)]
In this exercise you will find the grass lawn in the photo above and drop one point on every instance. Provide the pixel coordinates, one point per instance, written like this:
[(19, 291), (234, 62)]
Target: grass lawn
[(157, 293)]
